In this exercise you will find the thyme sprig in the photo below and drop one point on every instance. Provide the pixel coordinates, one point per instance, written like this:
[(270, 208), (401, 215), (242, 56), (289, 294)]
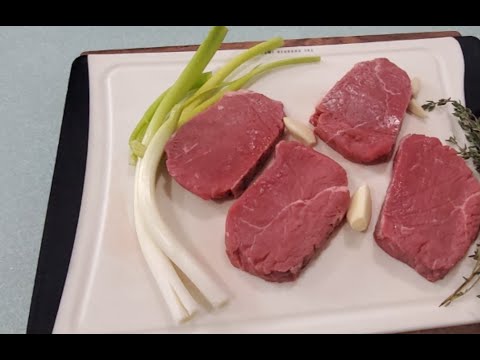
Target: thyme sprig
[(469, 123), (469, 282), (471, 126)]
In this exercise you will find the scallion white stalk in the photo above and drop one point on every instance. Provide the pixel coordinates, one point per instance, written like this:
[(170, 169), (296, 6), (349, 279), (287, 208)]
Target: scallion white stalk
[(159, 230), (179, 301)]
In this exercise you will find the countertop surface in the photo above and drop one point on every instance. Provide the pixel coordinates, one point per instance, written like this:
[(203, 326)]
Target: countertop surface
[(35, 63)]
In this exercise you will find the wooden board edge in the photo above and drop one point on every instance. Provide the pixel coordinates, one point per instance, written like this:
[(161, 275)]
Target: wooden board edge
[(460, 329), (288, 43)]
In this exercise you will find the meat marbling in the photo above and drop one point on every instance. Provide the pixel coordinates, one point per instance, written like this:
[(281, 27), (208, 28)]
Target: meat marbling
[(431, 212), (361, 116), (286, 216), (217, 153)]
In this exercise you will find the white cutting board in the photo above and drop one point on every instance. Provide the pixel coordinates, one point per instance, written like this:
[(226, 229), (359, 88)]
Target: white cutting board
[(352, 287)]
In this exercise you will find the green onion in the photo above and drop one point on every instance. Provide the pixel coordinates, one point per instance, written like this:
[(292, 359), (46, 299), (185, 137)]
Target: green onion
[(159, 247), (187, 79), (145, 120), (231, 66), (190, 94)]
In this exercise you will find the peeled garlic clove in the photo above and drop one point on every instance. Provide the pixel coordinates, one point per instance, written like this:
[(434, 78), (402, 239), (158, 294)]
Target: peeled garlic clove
[(360, 211), (300, 131), (416, 85)]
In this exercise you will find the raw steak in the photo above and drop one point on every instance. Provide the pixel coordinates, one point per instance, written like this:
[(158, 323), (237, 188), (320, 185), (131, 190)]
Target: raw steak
[(217, 153), (431, 213), (274, 229), (361, 116)]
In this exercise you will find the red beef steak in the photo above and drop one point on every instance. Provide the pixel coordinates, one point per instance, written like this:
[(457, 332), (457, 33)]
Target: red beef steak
[(361, 116), (431, 213), (217, 153), (274, 229)]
